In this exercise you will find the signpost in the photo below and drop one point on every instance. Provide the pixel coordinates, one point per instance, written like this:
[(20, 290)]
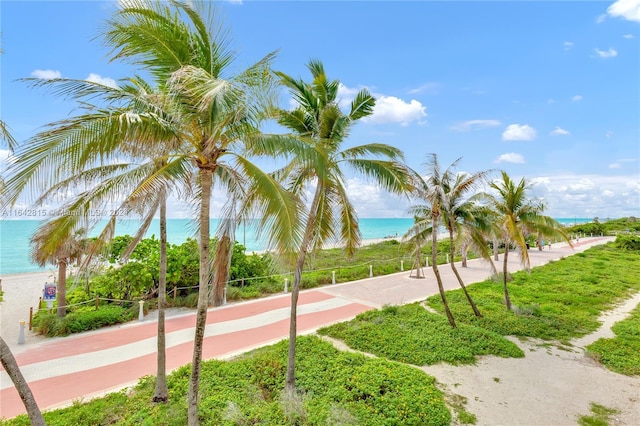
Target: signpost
[(49, 294)]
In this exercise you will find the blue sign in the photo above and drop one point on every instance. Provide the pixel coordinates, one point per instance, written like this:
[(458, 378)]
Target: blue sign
[(50, 291)]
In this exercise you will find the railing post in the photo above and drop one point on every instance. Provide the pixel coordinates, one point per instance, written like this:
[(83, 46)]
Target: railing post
[(175, 293), (370, 271), (141, 310), (224, 294), (447, 257), (286, 285), (333, 277), (97, 302), (30, 318), (402, 265)]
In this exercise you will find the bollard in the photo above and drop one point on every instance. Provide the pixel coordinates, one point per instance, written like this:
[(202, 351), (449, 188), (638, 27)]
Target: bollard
[(370, 271), (141, 313), (402, 266), (333, 277), (21, 335), (286, 285)]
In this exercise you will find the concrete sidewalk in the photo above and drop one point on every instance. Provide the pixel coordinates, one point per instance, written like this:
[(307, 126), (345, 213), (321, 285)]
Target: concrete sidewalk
[(60, 371)]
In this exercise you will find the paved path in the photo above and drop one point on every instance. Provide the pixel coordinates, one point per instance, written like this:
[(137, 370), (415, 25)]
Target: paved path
[(62, 370)]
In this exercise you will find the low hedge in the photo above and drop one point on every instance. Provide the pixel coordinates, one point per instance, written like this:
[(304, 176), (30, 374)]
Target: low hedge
[(83, 319)]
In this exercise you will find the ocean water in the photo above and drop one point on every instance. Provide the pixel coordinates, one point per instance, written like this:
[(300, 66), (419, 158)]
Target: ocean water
[(16, 234)]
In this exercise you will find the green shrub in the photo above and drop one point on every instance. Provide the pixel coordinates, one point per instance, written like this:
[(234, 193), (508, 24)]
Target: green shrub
[(628, 242), (83, 319)]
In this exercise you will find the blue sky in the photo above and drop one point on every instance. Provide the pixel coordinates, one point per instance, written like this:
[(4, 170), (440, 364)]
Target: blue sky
[(549, 91)]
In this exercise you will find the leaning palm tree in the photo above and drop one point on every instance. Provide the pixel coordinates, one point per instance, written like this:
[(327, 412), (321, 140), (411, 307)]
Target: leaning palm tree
[(449, 191), (517, 215), (322, 126), (217, 114)]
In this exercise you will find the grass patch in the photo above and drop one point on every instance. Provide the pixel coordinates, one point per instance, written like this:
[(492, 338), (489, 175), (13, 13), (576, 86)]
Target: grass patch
[(621, 353), (558, 301), (601, 416), (412, 335), (335, 388)]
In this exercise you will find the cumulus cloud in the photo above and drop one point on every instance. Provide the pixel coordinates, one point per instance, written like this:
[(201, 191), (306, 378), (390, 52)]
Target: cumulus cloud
[(625, 9), (568, 45), (510, 157), (558, 131), (588, 195), (390, 109), (46, 74), (605, 54), (105, 81), (577, 98), (519, 132), (465, 126)]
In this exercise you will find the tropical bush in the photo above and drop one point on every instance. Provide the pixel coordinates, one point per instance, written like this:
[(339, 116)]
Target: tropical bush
[(339, 388), (82, 319), (628, 242)]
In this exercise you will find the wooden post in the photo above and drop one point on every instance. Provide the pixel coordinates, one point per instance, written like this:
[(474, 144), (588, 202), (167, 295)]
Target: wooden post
[(97, 302), (30, 318), (175, 293)]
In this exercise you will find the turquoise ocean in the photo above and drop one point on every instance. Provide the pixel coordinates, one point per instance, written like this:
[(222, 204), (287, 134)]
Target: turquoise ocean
[(16, 234)]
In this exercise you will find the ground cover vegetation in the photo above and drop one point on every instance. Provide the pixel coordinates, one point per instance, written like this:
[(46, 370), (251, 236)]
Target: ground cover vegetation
[(600, 416), (622, 352), (558, 301), (334, 388)]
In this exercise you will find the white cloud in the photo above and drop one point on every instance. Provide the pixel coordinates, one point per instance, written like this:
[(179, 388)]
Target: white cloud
[(611, 53), (390, 109), (601, 18), (475, 125), (609, 134), (510, 157), (430, 88), (519, 132), (615, 166), (628, 36), (588, 195), (551, 101), (46, 74), (558, 131), (577, 98), (105, 81), (568, 45), (625, 9)]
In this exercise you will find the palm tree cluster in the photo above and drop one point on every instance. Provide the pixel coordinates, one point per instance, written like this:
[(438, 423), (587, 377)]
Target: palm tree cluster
[(192, 125)]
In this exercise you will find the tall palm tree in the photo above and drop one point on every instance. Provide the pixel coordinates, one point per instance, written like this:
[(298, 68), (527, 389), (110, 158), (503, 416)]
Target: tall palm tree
[(322, 126), (450, 191), (517, 215), (218, 113)]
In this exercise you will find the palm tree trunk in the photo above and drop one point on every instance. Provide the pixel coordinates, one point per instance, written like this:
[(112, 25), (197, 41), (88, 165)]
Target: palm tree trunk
[(206, 178), (464, 252), (290, 383), (434, 263), (496, 249), (62, 288), (507, 299), (455, 271), (222, 262), (11, 367), (161, 393)]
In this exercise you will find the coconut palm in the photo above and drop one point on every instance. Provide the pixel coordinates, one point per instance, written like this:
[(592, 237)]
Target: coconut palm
[(51, 245), (322, 126), (516, 216), (218, 114), (449, 191)]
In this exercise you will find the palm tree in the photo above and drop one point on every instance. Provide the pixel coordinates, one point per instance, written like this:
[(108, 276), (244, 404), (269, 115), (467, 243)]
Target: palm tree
[(55, 245), (516, 216), (217, 113), (322, 126), (449, 190)]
